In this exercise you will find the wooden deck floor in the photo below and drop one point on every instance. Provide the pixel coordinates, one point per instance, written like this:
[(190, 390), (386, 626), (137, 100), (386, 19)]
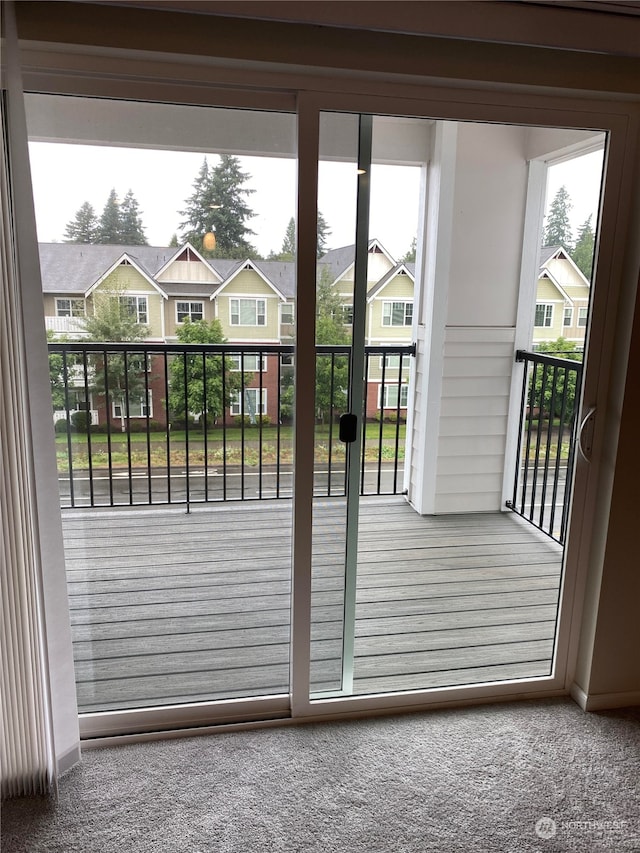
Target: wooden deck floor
[(168, 607)]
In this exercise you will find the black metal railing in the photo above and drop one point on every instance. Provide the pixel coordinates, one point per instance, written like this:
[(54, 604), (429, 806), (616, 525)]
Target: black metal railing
[(142, 424), (546, 440)]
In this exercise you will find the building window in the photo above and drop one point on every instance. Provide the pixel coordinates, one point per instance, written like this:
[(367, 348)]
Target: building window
[(137, 407), (397, 313), (544, 315), (249, 402), (394, 361), (136, 306), (390, 396), (248, 312), (287, 313), (567, 319), (70, 307), (193, 311), (251, 362), (582, 316)]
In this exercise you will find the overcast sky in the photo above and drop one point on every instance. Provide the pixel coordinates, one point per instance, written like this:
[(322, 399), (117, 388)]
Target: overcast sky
[(65, 176)]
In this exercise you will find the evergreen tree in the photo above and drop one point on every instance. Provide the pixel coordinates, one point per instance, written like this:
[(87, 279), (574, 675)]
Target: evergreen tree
[(583, 252), (84, 227), (323, 233), (109, 227), (173, 242), (557, 231), (410, 257), (288, 251), (218, 204), (131, 228)]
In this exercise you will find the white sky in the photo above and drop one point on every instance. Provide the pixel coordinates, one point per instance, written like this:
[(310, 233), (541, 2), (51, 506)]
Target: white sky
[(65, 176)]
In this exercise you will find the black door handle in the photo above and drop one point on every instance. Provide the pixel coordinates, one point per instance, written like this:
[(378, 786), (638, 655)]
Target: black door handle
[(348, 428)]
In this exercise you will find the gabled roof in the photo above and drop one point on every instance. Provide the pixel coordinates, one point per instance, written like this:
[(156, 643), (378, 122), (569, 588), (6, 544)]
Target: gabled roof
[(390, 276), (186, 247), (546, 274), (256, 267), (125, 258), (74, 267), (339, 261), (549, 253)]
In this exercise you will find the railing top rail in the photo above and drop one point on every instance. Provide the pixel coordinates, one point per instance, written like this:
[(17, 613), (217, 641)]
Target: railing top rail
[(221, 349), (543, 358)]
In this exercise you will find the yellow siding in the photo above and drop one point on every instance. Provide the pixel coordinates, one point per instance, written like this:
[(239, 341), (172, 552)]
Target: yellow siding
[(547, 291), (249, 284), (171, 325), (126, 279), (399, 288)]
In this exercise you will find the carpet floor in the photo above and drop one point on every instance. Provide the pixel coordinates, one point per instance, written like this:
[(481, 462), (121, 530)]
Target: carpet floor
[(520, 777)]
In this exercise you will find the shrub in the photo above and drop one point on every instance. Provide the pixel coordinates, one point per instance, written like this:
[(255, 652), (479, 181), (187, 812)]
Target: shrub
[(61, 425), (81, 421), (265, 420)]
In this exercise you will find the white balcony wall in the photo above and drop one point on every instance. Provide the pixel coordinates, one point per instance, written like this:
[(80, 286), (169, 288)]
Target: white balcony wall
[(472, 276), (65, 325)]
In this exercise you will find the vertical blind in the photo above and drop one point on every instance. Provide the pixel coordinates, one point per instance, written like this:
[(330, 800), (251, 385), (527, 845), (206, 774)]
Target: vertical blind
[(27, 743)]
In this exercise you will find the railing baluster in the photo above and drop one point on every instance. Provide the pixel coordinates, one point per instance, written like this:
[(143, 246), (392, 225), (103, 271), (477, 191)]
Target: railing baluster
[(105, 366), (560, 373), (65, 375), (167, 423), (205, 426), (121, 364)]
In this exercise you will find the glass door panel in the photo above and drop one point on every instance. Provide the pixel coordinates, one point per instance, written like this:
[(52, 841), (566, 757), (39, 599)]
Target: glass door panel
[(442, 583), (169, 294)]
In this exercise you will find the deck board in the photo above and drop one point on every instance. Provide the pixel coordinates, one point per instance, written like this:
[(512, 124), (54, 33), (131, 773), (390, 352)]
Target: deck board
[(170, 607)]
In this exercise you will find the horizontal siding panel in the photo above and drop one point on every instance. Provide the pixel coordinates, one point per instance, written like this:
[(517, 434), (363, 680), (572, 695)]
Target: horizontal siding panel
[(477, 366), (476, 386), (476, 427), (471, 502), (448, 484), (475, 349), (470, 445), (472, 406), (477, 464), (480, 334)]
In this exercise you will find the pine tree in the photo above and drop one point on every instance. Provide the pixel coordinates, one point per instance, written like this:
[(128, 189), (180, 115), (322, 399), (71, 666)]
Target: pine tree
[(83, 228), (557, 231), (323, 233), (109, 227), (218, 204), (583, 252), (288, 251), (410, 257), (131, 228)]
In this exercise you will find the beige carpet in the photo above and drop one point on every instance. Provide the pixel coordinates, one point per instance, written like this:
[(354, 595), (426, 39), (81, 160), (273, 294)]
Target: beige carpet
[(532, 776)]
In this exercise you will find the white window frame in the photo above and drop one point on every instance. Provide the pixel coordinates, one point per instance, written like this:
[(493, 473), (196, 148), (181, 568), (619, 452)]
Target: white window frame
[(290, 308), (384, 395), (236, 408), (391, 361), (139, 304), (547, 323), (190, 310), (347, 314), (568, 313), (258, 359), (71, 312), (583, 316), (235, 303), (407, 311), (136, 404)]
